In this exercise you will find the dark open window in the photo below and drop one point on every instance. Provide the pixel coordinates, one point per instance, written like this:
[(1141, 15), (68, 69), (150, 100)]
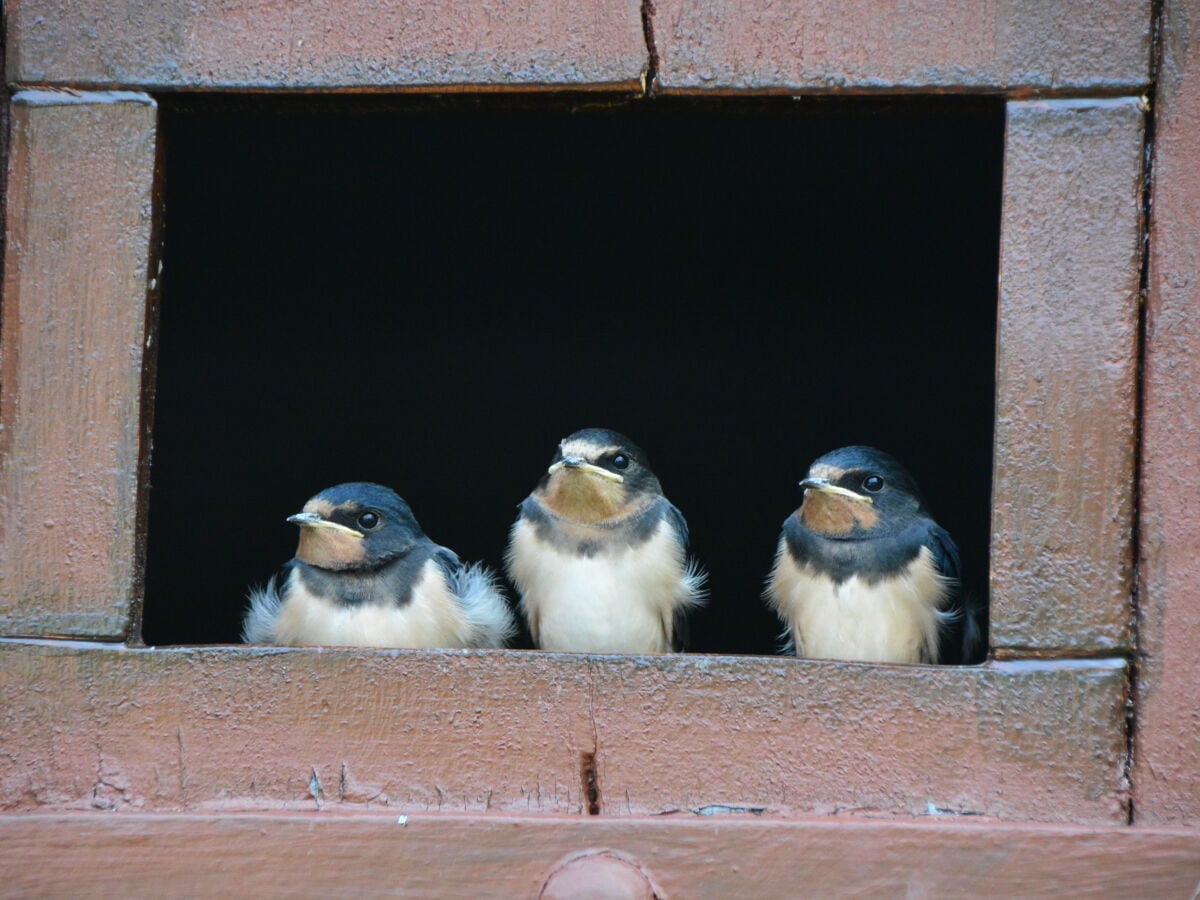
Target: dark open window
[(431, 294)]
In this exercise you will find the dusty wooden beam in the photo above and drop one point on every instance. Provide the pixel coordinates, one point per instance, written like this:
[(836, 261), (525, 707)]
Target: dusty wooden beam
[(1066, 377), (1017, 46), (327, 45), (516, 732), (72, 337)]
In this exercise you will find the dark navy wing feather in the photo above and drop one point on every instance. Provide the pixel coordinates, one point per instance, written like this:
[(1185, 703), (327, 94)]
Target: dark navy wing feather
[(678, 523), (450, 564), (945, 552), (959, 638), (680, 630)]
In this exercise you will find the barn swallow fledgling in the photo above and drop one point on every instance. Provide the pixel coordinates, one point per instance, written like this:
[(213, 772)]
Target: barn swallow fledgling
[(863, 572), (599, 555), (365, 575)]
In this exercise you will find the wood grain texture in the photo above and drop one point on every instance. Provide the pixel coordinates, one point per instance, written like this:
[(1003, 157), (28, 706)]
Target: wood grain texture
[(252, 729), (1167, 754), (1017, 46), (329, 45), (90, 854), (71, 345), (5, 95), (1066, 366)]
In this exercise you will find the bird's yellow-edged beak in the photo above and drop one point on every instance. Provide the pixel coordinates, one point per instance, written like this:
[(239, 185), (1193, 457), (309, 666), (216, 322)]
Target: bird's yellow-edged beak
[(312, 520), (577, 463), (820, 484)]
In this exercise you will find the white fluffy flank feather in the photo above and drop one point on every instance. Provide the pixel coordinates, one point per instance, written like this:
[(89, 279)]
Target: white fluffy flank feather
[(693, 593), (487, 619), (258, 627)]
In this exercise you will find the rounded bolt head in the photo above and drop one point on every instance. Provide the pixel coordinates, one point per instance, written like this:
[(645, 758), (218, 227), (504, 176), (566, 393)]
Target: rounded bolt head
[(597, 875)]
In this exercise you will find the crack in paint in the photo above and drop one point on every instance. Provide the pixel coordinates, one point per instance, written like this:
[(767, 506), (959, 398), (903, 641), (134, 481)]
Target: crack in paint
[(314, 788), (1132, 682), (183, 778), (106, 794), (717, 809), (589, 775), (650, 84)]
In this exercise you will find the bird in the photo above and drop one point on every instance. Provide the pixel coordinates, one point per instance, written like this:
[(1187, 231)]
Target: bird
[(366, 575), (599, 555), (863, 572)]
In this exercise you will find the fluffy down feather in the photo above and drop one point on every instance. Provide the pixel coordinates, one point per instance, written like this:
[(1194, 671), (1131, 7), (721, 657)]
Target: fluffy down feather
[(487, 619), (258, 627)]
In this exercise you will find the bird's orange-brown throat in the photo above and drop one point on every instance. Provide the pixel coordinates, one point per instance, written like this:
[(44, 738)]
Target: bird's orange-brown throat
[(834, 514), (579, 495), (327, 548)]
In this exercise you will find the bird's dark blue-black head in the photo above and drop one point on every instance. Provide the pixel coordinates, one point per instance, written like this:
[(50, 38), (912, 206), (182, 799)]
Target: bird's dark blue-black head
[(857, 493), (863, 515), (596, 475), (357, 525)]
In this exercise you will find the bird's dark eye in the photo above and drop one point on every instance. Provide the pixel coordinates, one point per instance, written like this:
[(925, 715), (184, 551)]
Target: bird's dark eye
[(873, 483), (620, 461), (368, 520)]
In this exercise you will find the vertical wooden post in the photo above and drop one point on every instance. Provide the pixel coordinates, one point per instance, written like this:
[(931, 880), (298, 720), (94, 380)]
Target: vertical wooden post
[(1167, 743), (72, 339), (1066, 376)]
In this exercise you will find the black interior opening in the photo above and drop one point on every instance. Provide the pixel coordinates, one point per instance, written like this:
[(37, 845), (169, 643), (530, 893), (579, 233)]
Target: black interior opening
[(431, 293)]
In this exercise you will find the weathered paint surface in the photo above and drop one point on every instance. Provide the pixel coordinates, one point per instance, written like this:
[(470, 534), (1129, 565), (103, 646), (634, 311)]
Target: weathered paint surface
[(71, 345), (683, 856), (1066, 365), (1014, 45), (330, 44), (221, 729), (1167, 751), (89, 728)]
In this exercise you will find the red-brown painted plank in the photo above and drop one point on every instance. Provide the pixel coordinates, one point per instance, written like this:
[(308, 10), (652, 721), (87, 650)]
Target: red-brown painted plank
[(254, 729), (681, 856), (1022, 743), (330, 44), (72, 334), (1018, 46), (1167, 753), (1066, 366)]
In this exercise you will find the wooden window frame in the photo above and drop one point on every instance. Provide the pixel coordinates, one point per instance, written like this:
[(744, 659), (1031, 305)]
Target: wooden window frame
[(1038, 734)]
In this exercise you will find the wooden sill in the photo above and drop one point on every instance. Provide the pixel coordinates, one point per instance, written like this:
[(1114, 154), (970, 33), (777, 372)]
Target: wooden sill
[(682, 856), (251, 728)]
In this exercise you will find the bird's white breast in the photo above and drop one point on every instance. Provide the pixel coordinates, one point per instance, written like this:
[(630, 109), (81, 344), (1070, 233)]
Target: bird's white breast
[(430, 619), (893, 620), (619, 600)]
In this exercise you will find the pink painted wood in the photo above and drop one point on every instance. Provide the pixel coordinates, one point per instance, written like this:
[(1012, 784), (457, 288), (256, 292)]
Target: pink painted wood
[(431, 855)]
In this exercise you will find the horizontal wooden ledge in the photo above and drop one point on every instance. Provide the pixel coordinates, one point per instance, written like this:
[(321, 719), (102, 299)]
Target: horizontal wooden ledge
[(159, 44), (443, 855), (631, 87), (179, 729), (1039, 661), (1020, 45), (829, 92)]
